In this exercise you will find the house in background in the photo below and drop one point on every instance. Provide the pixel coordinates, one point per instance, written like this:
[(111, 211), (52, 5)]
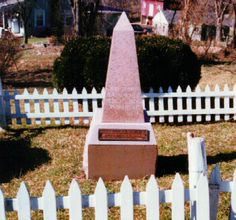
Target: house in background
[(149, 8), (45, 19), (164, 23)]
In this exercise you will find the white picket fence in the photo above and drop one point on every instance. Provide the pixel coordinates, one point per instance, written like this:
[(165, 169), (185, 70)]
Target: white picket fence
[(202, 196), (75, 108)]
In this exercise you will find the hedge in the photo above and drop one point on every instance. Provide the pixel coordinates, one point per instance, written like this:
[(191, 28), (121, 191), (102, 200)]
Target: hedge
[(162, 62)]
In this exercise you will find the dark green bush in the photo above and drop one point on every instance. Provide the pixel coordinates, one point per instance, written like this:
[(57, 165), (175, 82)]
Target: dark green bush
[(162, 62)]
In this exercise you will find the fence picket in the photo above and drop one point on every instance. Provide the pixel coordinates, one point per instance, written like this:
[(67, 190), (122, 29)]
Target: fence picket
[(214, 187), (126, 193), (179, 104), (178, 198), (152, 199), (56, 106), (217, 102), (2, 206), (226, 102), (85, 105), (233, 199), (23, 203), (202, 198), (66, 108), (17, 108), (75, 201), (75, 106), (49, 202), (37, 107), (198, 103), (94, 101), (161, 105), (189, 104), (101, 210), (46, 107), (170, 105), (207, 102), (27, 106), (151, 105)]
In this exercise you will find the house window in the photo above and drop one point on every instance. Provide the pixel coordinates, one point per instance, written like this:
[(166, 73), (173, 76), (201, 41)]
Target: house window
[(68, 20), (151, 10), (39, 18)]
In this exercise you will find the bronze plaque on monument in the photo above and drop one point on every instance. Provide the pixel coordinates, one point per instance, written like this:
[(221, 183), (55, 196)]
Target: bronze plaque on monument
[(123, 135)]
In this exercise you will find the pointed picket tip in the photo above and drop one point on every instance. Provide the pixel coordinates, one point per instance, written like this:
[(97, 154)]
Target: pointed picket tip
[(94, 91), (74, 186), (35, 92), (179, 89), (125, 183), (65, 92), (151, 90), (25, 92), (170, 89), (48, 188), (100, 186), (226, 87), (215, 177), (160, 90), (217, 88), (55, 92), (177, 181), (103, 91), (23, 189), (84, 91), (74, 91), (207, 88), (152, 183), (45, 91), (198, 89), (188, 89)]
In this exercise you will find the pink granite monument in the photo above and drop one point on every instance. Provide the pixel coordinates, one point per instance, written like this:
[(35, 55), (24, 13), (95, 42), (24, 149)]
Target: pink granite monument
[(119, 141)]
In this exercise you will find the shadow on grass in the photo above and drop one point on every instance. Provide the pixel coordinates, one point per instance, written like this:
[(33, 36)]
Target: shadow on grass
[(17, 156), (169, 165)]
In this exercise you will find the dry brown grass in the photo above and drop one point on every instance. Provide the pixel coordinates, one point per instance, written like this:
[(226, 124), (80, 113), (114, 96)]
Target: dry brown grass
[(220, 74), (35, 155)]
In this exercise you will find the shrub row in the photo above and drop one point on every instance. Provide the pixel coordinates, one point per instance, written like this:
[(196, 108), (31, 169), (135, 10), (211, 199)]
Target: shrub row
[(162, 62)]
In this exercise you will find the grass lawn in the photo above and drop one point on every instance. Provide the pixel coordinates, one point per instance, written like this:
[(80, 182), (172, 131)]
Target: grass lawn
[(36, 154)]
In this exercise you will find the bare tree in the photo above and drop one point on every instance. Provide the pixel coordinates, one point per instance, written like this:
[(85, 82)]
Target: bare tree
[(192, 15), (220, 7), (234, 27), (84, 13), (24, 10)]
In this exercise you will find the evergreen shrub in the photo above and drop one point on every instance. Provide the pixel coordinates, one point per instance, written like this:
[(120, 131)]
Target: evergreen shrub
[(162, 62)]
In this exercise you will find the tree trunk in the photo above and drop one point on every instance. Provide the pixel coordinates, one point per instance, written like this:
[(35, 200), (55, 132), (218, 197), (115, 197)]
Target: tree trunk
[(218, 29), (26, 35), (234, 30)]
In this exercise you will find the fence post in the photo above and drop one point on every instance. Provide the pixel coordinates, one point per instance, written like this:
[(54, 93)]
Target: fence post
[(197, 164), (3, 122), (214, 187)]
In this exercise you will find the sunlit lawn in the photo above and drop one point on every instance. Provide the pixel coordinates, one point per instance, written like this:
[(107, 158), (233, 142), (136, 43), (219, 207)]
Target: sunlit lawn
[(35, 155)]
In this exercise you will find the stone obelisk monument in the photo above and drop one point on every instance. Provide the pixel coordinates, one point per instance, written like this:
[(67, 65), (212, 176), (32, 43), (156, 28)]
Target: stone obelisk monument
[(119, 141)]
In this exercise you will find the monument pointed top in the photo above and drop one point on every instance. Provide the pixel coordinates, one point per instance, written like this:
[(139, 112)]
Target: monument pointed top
[(123, 23)]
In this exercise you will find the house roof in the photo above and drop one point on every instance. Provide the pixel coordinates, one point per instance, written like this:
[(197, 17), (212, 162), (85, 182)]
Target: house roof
[(171, 16), (109, 9)]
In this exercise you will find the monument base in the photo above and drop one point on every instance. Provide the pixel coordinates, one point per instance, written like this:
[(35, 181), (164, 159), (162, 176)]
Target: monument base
[(112, 155)]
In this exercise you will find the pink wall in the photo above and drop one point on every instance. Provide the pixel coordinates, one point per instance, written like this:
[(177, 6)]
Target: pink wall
[(150, 11)]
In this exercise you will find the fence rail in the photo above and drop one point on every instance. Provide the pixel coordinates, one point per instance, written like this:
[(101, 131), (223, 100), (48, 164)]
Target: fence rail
[(126, 199), (171, 106)]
